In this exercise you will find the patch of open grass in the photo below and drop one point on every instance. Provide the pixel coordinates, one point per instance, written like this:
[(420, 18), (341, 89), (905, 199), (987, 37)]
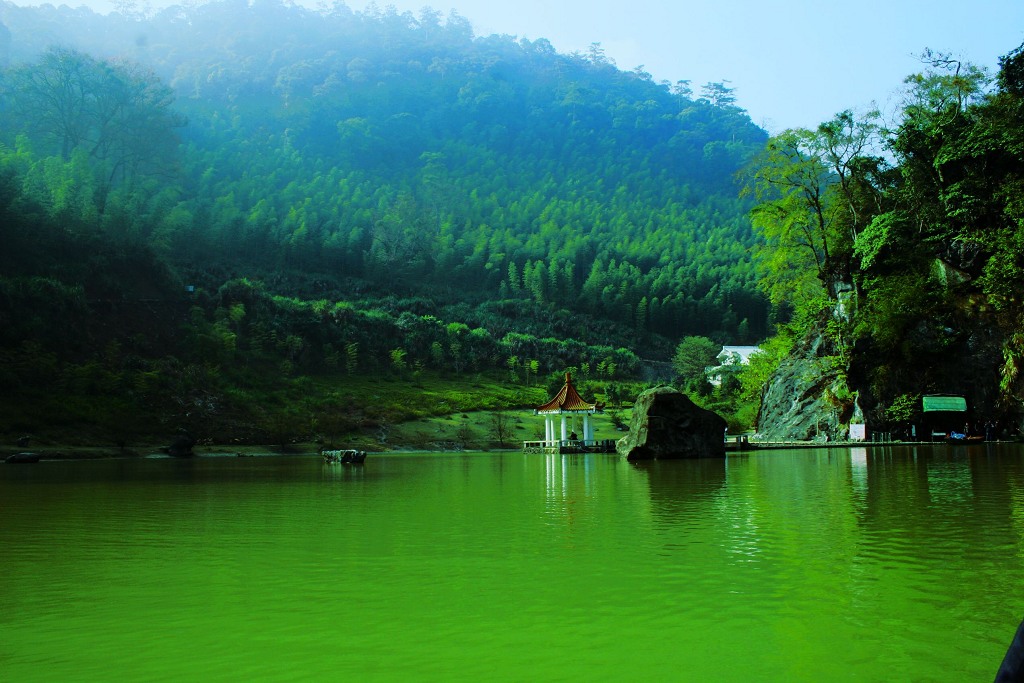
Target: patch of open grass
[(426, 411)]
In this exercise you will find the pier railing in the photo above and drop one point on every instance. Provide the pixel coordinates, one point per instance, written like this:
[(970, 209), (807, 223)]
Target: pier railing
[(570, 446)]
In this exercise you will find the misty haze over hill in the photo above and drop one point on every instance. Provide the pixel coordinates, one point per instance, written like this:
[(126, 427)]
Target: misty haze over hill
[(406, 153)]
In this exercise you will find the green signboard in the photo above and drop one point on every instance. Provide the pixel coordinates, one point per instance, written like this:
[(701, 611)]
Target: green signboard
[(952, 404)]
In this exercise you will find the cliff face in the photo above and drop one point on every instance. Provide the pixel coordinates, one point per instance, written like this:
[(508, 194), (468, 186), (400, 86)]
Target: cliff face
[(956, 348), (802, 402)]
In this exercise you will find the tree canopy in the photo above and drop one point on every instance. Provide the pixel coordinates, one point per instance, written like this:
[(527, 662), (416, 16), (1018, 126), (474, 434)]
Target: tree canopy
[(404, 152), (902, 245)]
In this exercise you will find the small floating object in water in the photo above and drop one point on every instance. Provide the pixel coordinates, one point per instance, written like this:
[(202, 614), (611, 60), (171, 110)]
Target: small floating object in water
[(347, 457), (19, 458)]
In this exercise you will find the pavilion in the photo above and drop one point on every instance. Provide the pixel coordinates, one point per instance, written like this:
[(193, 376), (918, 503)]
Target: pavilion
[(565, 405)]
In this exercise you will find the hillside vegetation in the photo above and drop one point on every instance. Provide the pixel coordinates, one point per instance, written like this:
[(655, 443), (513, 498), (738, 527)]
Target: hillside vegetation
[(216, 209)]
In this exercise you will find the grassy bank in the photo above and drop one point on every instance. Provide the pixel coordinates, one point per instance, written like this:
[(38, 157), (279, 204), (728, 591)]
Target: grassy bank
[(271, 413), (470, 430)]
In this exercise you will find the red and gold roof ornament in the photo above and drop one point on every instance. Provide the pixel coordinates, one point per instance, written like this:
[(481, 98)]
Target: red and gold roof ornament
[(568, 400)]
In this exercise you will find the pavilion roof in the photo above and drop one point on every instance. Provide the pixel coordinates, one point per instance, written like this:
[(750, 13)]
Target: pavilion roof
[(567, 400)]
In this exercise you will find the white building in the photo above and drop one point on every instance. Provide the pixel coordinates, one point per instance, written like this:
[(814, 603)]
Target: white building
[(730, 359)]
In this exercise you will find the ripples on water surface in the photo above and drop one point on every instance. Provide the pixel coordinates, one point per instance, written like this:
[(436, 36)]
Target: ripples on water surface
[(862, 564)]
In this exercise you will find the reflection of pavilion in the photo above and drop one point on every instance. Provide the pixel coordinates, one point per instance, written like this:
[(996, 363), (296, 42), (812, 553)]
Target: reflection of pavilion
[(568, 405), (563, 473)]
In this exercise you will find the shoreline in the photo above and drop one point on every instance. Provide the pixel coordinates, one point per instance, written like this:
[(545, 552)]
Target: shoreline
[(57, 452), (63, 452)]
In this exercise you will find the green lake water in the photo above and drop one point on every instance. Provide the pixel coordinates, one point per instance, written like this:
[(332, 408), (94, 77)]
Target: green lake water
[(870, 564)]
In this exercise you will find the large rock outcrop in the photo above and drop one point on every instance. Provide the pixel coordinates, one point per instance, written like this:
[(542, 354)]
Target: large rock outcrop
[(666, 424), (181, 446), (802, 400), (958, 350)]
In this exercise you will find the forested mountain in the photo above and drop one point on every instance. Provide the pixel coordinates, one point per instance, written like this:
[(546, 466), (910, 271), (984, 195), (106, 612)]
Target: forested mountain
[(408, 154), (372, 186)]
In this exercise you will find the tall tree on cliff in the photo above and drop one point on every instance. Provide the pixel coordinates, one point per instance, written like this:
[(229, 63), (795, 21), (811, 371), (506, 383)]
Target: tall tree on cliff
[(816, 192), (1003, 278), (939, 193), (931, 247)]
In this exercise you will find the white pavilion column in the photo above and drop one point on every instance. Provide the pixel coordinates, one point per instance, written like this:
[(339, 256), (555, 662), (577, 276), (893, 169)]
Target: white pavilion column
[(564, 436), (549, 430), (586, 427)]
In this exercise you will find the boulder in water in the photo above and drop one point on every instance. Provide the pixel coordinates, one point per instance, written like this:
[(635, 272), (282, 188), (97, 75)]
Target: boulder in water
[(181, 446), (666, 425)]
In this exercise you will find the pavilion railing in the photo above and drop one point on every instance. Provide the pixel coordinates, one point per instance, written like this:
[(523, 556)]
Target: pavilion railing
[(570, 445)]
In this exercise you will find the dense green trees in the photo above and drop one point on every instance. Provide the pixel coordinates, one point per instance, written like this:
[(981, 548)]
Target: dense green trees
[(117, 118), (817, 191), (384, 194), (691, 361), (403, 152), (338, 194), (907, 240)]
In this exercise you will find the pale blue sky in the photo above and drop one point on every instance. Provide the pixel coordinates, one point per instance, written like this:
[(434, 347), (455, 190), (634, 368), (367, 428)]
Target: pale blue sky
[(792, 63)]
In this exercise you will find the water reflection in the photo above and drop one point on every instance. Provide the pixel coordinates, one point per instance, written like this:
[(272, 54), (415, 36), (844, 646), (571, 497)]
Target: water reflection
[(949, 481), (568, 474), (871, 563), (342, 473), (890, 481), (571, 483), (679, 489), (859, 470)]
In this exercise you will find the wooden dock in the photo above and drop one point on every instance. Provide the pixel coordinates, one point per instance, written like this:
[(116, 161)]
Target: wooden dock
[(570, 446)]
